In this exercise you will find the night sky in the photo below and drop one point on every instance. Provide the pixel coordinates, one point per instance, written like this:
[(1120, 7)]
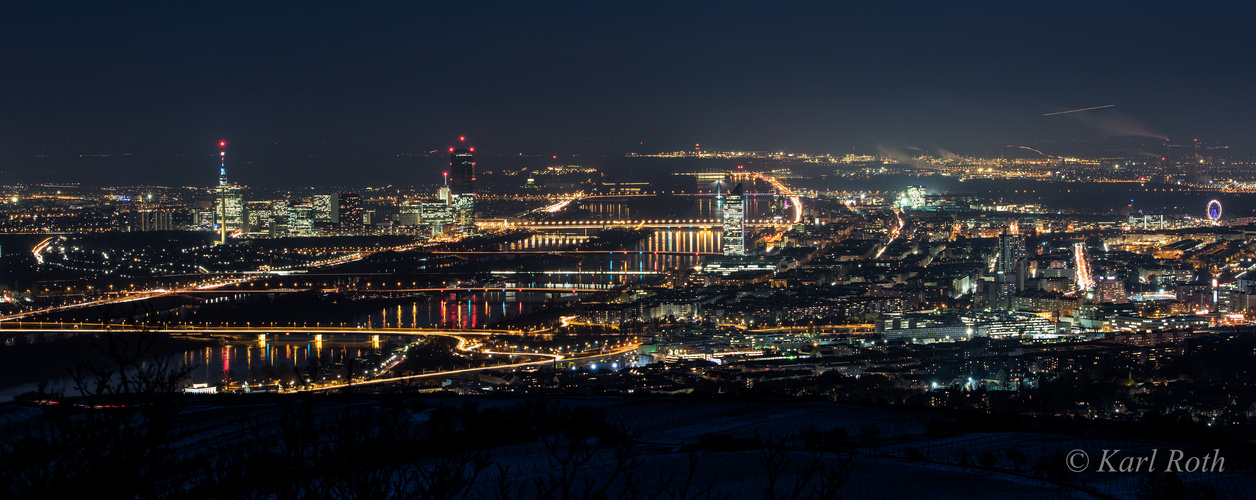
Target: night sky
[(165, 82)]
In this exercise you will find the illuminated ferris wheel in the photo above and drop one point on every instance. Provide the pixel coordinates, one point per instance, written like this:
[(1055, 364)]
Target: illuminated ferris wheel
[(1214, 210)]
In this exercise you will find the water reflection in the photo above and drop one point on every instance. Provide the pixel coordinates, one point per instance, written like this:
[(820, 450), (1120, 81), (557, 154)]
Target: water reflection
[(760, 203), (546, 242), (663, 250), (466, 310), (262, 362)]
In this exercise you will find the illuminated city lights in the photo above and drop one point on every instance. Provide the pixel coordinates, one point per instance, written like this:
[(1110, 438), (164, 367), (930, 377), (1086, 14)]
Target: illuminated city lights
[(981, 249)]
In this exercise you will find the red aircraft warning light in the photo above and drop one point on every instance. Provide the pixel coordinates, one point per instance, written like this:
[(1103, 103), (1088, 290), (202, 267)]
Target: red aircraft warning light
[(222, 144)]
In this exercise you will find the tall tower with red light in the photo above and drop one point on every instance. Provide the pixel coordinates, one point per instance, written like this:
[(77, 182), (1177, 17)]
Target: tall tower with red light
[(222, 192), (222, 163), (462, 168), (230, 213), (462, 186)]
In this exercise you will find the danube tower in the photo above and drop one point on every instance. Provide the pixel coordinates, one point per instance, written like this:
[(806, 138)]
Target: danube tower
[(230, 210), (222, 192)]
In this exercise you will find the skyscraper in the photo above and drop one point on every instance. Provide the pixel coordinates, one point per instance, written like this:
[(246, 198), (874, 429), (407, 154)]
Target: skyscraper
[(1009, 271), (327, 208), (301, 220), (913, 197), (435, 214), (278, 223), (350, 208), (462, 188), (462, 171), (145, 219), (734, 206), (1011, 249)]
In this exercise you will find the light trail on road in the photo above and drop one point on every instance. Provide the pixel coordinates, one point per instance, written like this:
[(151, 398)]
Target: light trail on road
[(40, 248), (551, 358)]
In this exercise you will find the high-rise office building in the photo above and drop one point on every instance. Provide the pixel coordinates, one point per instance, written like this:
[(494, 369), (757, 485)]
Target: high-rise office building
[(463, 208), (146, 219), (301, 220), (462, 171), (913, 197), (156, 220), (1009, 271), (205, 219), (734, 207), (276, 221), (350, 212), (327, 208), (435, 214), (279, 208), (1011, 250), (409, 215), (234, 218), (462, 188)]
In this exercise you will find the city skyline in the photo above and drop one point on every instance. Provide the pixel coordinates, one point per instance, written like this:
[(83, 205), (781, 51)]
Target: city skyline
[(575, 250)]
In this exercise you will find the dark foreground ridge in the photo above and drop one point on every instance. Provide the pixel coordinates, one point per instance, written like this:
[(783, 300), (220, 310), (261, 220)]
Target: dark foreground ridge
[(400, 445)]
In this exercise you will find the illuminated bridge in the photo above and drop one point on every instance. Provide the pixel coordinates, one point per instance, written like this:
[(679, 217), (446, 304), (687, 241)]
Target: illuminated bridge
[(574, 288), (250, 332), (635, 224), (570, 252)]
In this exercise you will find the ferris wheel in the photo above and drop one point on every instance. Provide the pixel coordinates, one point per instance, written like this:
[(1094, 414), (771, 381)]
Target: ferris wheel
[(1214, 210)]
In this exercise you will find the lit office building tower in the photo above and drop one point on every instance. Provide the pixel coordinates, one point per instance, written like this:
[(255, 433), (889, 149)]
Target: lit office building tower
[(1009, 272), (913, 197), (409, 215), (301, 220), (463, 208), (1110, 289), (156, 220), (205, 219), (437, 215), (145, 219), (277, 223), (350, 212), (1011, 250), (327, 208), (279, 208), (462, 170), (734, 206), (230, 209), (462, 188), (234, 218)]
